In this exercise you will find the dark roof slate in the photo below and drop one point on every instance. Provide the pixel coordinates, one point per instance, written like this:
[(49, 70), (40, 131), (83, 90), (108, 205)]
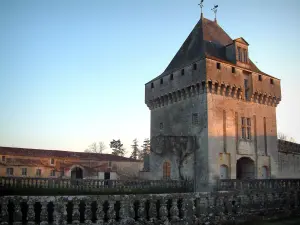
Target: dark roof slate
[(62, 154), (207, 40)]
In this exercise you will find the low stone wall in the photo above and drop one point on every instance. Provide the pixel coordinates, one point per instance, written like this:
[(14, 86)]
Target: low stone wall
[(188, 208)]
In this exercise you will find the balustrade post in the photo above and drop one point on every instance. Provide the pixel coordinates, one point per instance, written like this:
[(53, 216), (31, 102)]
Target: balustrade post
[(111, 213), (174, 211), (17, 213), (44, 213), (30, 212), (99, 212), (76, 213), (163, 211), (88, 214), (4, 211), (60, 211), (142, 211), (152, 210)]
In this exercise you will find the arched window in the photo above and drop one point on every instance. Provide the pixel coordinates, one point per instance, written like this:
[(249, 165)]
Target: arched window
[(166, 170), (223, 172)]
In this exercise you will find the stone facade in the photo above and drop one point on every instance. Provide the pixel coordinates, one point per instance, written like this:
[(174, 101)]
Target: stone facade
[(39, 163), (212, 92)]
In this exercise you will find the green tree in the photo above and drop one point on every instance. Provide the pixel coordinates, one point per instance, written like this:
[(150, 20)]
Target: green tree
[(135, 149), (117, 148), (145, 149)]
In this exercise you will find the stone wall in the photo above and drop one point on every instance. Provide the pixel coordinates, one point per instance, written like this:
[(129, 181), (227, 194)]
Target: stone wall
[(288, 159), (194, 208)]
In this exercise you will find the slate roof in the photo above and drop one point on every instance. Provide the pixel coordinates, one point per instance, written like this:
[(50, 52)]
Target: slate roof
[(62, 154), (207, 40)]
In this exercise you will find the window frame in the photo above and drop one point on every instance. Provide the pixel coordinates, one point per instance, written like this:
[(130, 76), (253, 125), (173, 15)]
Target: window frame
[(52, 163), (246, 128), (218, 66), (9, 169), (52, 173), (24, 171), (38, 174), (166, 170)]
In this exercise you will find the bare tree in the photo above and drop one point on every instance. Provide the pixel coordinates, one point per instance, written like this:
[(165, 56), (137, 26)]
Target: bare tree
[(284, 137), (96, 148)]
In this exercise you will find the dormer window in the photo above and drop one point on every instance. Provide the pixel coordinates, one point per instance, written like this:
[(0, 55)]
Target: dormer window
[(245, 56), (240, 53)]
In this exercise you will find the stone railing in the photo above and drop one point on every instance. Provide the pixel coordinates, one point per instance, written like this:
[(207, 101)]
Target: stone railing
[(257, 184), (23, 182), (192, 208)]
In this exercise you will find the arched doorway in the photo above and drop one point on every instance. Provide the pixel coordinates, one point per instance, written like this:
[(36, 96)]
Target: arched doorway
[(76, 173), (245, 168), (223, 172)]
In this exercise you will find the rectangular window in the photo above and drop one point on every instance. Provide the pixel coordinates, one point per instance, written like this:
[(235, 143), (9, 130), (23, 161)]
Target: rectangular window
[(9, 171), (195, 66), (218, 66), (152, 85), (110, 164), (38, 172), (233, 69), (52, 161), (3, 158), (195, 119), (52, 173), (259, 78), (182, 72), (24, 171), (246, 87), (239, 54), (161, 80), (246, 128), (161, 126), (271, 81), (245, 56), (172, 77)]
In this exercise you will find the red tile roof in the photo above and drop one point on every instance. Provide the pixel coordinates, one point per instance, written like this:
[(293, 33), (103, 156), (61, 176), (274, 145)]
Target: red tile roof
[(62, 154)]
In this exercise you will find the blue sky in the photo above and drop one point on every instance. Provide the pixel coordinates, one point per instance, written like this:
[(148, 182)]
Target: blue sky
[(73, 72)]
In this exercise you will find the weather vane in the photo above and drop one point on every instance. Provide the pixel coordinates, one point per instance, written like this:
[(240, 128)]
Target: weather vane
[(201, 5), (215, 10)]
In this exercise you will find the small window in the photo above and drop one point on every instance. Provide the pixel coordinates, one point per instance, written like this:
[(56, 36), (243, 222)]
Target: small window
[(3, 158), (259, 77), (24, 171), (52, 161), (166, 170), (9, 171), (161, 80), (195, 66), (161, 126), (218, 66), (172, 77), (246, 128), (182, 72), (152, 85), (195, 119), (232, 69), (52, 173), (38, 172), (271, 81)]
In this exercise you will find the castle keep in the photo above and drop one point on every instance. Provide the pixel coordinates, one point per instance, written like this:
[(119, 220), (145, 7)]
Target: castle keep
[(212, 97)]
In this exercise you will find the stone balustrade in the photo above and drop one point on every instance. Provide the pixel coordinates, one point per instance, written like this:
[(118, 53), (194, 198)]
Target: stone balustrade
[(185, 208), (258, 184), (29, 182)]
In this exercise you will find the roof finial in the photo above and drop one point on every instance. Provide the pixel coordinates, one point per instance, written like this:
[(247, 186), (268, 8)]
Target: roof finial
[(201, 6), (215, 10)]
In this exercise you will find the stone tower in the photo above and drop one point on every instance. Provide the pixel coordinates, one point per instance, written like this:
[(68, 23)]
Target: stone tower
[(212, 93)]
